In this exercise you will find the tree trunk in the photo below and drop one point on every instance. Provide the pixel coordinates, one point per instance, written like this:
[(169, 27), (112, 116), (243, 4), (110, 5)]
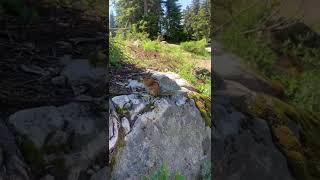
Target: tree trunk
[(145, 5)]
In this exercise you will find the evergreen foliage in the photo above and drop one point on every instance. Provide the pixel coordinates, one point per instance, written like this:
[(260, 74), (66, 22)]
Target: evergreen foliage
[(165, 18)]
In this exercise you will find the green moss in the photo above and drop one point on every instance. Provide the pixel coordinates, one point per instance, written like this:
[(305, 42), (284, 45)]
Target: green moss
[(98, 59), (258, 107), (203, 103), (303, 155), (150, 106), (121, 112), (298, 165), (286, 138), (32, 154), (119, 145), (55, 149)]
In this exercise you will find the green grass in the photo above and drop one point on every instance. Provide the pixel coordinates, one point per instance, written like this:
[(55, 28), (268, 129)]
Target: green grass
[(169, 57), (116, 53), (196, 47), (253, 51), (151, 45), (302, 89), (256, 53)]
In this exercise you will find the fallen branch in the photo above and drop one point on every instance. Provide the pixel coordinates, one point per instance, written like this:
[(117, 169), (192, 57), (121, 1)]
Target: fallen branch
[(76, 41)]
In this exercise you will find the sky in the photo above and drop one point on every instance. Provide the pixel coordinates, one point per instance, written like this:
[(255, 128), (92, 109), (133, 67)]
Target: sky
[(183, 3)]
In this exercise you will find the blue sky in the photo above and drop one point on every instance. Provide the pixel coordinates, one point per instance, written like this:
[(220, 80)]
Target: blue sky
[(183, 3)]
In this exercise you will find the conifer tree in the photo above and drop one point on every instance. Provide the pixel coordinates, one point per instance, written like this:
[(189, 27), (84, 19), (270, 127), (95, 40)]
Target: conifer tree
[(172, 23)]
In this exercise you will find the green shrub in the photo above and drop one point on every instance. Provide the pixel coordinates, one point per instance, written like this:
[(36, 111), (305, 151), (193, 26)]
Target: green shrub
[(308, 94), (308, 57), (116, 54), (253, 51), (197, 47), (247, 46), (151, 45), (163, 174)]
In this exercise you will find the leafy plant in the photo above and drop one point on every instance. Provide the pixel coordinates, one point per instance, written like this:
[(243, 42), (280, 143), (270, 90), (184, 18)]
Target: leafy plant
[(163, 174), (206, 170), (116, 53)]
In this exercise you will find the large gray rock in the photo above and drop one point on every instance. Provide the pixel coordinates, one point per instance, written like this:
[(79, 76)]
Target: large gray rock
[(84, 78), (164, 134), (12, 165), (172, 82), (37, 123), (242, 145), (74, 132), (100, 175)]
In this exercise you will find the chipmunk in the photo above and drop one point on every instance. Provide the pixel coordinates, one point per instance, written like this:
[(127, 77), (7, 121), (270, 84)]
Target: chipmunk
[(154, 87)]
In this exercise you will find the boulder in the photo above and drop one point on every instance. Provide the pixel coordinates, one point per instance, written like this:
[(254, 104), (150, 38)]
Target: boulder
[(12, 163), (243, 146), (84, 78), (68, 138), (37, 123), (164, 133)]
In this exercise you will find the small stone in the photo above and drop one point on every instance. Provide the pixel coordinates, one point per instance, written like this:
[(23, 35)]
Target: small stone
[(58, 138), (47, 177), (181, 101), (134, 85), (34, 70), (96, 167), (120, 101), (90, 171), (136, 43), (125, 124), (59, 81), (78, 90)]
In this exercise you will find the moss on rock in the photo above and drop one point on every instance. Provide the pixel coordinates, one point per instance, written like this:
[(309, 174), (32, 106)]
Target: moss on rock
[(286, 138), (301, 153), (32, 154), (120, 144), (59, 167), (203, 103)]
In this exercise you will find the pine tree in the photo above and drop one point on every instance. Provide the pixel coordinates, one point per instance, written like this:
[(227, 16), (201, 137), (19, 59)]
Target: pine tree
[(152, 16), (196, 6), (145, 14), (197, 20), (112, 21), (172, 24)]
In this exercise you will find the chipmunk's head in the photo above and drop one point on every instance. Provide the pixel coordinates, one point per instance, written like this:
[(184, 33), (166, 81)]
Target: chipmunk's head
[(147, 80)]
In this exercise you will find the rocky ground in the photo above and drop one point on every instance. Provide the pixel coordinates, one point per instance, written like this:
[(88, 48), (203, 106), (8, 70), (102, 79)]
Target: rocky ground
[(53, 97)]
